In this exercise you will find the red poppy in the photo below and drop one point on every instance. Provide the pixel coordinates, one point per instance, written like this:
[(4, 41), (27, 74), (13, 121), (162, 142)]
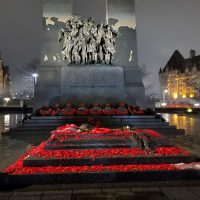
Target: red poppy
[(71, 131)]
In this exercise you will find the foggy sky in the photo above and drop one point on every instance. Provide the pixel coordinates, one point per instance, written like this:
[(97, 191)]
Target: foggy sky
[(162, 27)]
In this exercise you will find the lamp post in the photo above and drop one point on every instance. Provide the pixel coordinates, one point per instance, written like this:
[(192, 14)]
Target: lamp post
[(35, 76), (6, 99)]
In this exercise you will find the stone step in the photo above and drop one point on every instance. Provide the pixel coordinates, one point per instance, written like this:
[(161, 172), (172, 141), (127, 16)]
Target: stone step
[(133, 177), (170, 131), (142, 120), (35, 161), (150, 124), (134, 116), (22, 133), (103, 123), (85, 119), (32, 128), (168, 128), (109, 125), (114, 117), (87, 146), (167, 131), (91, 143)]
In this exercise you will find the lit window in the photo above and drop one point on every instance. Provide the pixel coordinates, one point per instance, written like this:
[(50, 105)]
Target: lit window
[(191, 95), (175, 96)]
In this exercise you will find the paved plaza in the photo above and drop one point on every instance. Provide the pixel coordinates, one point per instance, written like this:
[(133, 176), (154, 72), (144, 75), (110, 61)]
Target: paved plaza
[(91, 192)]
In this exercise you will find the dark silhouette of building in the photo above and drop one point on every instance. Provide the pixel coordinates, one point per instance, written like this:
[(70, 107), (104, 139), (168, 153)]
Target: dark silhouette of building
[(5, 80)]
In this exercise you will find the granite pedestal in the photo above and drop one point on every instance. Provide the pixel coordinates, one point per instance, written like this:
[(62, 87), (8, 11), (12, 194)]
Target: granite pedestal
[(88, 84)]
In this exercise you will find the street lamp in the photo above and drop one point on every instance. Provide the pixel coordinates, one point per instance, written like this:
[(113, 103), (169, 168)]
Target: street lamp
[(6, 99), (35, 76), (163, 104)]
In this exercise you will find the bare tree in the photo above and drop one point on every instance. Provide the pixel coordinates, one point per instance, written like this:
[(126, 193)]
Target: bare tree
[(27, 72), (30, 68)]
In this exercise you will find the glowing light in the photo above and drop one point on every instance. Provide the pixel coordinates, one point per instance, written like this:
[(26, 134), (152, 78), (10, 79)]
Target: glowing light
[(7, 119), (7, 99), (196, 105), (184, 96), (163, 104), (175, 116), (191, 95), (6, 122), (189, 110), (166, 90), (175, 96), (35, 75)]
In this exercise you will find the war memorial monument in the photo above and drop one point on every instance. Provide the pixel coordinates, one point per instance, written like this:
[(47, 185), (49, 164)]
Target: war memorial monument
[(89, 57)]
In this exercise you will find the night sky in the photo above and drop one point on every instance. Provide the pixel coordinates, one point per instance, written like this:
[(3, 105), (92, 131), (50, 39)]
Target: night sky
[(162, 27)]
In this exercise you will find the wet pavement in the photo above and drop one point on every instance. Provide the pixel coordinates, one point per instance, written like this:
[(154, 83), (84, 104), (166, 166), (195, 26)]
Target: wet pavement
[(191, 124), (12, 146)]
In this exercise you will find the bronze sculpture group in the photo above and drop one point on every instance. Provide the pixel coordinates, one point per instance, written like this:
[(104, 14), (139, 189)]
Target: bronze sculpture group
[(84, 42)]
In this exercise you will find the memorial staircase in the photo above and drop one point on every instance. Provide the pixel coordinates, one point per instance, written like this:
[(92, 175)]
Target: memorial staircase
[(100, 155), (45, 124)]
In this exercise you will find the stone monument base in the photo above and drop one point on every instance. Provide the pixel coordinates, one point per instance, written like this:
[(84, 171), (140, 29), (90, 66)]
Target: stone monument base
[(88, 84)]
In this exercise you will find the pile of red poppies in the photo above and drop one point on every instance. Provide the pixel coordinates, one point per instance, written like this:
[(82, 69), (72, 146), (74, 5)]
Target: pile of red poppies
[(94, 110), (69, 131)]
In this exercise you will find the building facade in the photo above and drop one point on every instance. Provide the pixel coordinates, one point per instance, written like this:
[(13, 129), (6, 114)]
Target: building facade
[(5, 80), (176, 76)]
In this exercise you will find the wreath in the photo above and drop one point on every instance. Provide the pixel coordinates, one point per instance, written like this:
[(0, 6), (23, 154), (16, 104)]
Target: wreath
[(68, 110), (45, 111), (108, 110), (121, 110), (82, 110), (95, 110), (135, 110)]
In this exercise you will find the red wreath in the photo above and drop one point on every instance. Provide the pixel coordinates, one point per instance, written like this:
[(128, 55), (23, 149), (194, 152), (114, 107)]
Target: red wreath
[(45, 111), (108, 110), (55, 111), (135, 110), (121, 110), (82, 110), (95, 110), (68, 110)]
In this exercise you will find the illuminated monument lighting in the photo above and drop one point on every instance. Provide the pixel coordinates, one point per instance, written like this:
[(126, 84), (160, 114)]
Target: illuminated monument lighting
[(102, 76)]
